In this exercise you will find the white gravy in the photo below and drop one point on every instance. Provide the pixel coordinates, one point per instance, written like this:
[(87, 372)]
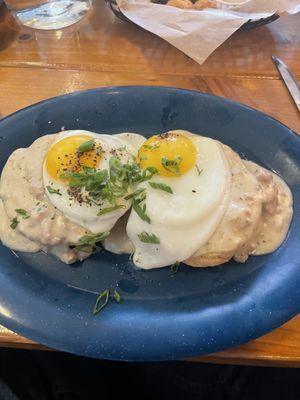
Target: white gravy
[(21, 186)]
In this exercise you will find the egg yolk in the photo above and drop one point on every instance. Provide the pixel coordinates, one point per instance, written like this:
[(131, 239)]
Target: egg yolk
[(172, 154), (64, 156)]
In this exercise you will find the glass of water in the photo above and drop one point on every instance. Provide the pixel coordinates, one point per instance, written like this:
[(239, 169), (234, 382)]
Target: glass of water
[(48, 14)]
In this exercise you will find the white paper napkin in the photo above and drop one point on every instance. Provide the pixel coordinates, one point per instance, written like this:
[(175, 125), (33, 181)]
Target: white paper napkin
[(199, 33)]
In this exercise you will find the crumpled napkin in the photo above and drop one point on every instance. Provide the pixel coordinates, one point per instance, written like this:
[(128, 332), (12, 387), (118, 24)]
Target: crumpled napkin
[(198, 33)]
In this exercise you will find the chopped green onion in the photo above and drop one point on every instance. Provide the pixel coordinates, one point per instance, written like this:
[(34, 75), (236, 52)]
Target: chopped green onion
[(151, 146), (145, 177), (174, 267), (148, 238), (198, 170), (53, 191), (101, 301), (86, 146), (117, 296), (135, 193), (90, 243), (14, 223), (108, 184), (110, 209), (171, 165), (161, 186), (22, 212), (140, 211)]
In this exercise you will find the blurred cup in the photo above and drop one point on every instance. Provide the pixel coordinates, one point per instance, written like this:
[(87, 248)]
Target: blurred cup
[(9, 29), (48, 14)]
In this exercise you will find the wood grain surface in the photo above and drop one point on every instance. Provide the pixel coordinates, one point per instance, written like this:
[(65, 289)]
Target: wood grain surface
[(103, 43), (103, 51), (269, 96)]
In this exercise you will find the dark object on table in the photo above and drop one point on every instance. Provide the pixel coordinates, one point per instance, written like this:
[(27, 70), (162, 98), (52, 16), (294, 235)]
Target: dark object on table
[(259, 22), (35, 375), (289, 79), (9, 28), (112, 4)]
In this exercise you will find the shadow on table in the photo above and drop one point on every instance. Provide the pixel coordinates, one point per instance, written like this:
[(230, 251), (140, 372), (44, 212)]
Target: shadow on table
[(36, 375)]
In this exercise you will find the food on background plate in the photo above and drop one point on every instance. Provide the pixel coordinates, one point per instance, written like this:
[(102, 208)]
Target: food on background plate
[(189, 4), (175, 197), (203, 4)]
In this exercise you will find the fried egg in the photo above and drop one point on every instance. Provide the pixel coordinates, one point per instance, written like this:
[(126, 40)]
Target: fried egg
[(183, 203), (63, 157)]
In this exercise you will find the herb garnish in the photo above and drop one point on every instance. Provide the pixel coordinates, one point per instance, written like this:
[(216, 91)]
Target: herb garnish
[(14, 223), (161, 186), (22, 212), (110, 209), (138, 196), (117, 296), (135, 193), (103, 299), (147, 174), (140, 210), (109, 185), (90, 243), (51, 190), (172, 165), (88, 177), (198, 169), (148, 238), (151, 146), (174, 267), (86, 146)]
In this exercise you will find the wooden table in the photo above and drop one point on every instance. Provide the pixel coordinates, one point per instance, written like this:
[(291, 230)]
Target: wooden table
[(102, 50)]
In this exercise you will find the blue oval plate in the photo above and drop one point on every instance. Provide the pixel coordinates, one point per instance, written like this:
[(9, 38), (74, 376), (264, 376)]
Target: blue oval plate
[(162, 316)]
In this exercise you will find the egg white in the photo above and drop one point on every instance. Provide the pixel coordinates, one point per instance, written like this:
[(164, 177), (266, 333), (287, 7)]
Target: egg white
[(182, 221), (84, 214)]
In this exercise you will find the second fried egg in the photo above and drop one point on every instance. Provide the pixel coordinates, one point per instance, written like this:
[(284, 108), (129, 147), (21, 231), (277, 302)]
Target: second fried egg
[(183, 204)]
